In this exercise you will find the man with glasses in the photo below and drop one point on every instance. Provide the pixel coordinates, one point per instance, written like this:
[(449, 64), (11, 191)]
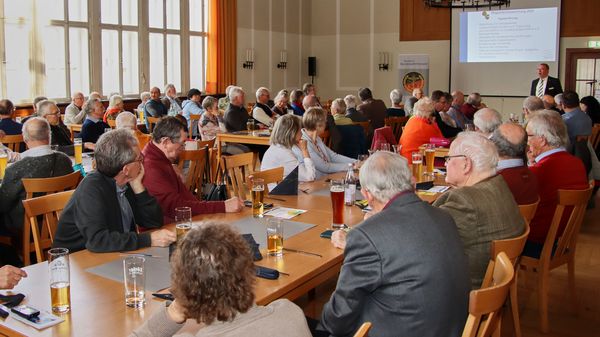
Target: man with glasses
[(261, 112), (102, 214), (74, 113), (481, 204), (165, 183)]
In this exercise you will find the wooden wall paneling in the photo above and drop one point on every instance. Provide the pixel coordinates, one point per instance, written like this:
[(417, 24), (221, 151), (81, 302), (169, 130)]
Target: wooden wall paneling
[(579, 18), (421, 23)]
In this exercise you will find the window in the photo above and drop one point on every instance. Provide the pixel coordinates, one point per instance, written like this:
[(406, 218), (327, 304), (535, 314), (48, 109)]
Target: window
[(110, 46)]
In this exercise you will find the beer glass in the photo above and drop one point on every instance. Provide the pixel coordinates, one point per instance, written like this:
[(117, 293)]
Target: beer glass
[(250, 125), (60, 286), (397, 149), (275, 237), (183, 221), (429, 158), (417, 165), (336, 189), (469, 127), (384, 147), (3, 163), (135, 281), (77, 147), (258, 194)]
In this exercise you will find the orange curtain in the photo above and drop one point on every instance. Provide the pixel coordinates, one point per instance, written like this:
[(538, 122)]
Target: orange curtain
[(222, 45)]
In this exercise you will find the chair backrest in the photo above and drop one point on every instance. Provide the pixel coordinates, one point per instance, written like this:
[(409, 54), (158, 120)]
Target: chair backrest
[(274, 175), (193, 125), (50, 207), (74, 128), (211, 170), (353, 140), (326, 137), (528, 211), (511, 247), (111, 122), (208, 143), (595, 138), (238, 168), (13, 142), (396, 123), (485, 304), (365, 125), (363, 331), (143, 139), (197, 164), (151, 122)]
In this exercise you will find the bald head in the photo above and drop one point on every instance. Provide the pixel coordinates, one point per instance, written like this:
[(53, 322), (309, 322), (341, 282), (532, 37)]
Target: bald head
[(309, 101), (511, 141), (487, 120), (549, 102), (458, 97), (36, 132)]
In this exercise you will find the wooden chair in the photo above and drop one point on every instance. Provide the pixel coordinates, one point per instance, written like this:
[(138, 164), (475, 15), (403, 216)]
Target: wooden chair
[(326, 138), (212, 159), (595, 138), (151, 122), (13, 142), (43, 186), (238, 168), (74, 128), (366, 127), (485, 304), (195, 174), (397, 124), (143, 139), (112, 123), (50, 207), (194, 120), (558, 248), (274, 175), (528, 211), (363, 331)]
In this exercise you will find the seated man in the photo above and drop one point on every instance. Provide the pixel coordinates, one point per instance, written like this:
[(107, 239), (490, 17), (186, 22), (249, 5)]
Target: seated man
[(578, 122), (554, 168), (127, 120), (338, 110), (396, 109), (7, 124), (531, 105), (74, 113), (192, 106), (261, 112), (93, 126), (102, 214), (382, 280), (236, 116), (154, 107), (481, 204), (296, 98), (164, 183), (351, 112), (511, 141), (445, 123), (37, 162), (374, 109), (486, 120), (458, 99)]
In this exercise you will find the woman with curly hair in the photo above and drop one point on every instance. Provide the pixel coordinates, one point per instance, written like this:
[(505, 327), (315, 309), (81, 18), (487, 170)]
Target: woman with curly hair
[(213, 281)]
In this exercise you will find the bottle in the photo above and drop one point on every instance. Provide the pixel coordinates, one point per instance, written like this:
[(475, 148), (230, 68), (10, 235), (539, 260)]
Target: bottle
[(349, 186)]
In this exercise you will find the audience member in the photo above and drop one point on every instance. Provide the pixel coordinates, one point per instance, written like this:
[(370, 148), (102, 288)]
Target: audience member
[(10, 276), (171, 101), (417, 93), (145, 97), (13, 156), (590, 105), (93, 126), (550, 103), (236, 115), (419, 129), (482, 205), (396, 109), (127, 120), (373, 109), (458, 99), (409, 105), (115, 107), (351, 112), (382, 280), (213, 280), (102, 214), (444, 121), (61, 135), (154, 107), (531, 105), (486, 120), (74, 113), (281, 103), (261, 112), (297, 96), (310, 101), (209, 127), (578, 123), (558, 99), (511, 142), (39, 161), (471, 106), (192, 106), (7, 124), (338, 111), (224, 101)]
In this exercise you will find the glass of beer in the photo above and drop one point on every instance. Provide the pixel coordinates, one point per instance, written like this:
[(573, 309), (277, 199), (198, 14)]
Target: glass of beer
[(429, 158), (60, 285), (183, 221), (77, 147), (336, 189), (3, 163), (135, 281), (384, 147), (417, 165), (258, 194), (250, 125), (275, 237)]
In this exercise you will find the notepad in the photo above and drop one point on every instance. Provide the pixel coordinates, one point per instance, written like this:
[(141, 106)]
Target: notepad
[(284, 212)]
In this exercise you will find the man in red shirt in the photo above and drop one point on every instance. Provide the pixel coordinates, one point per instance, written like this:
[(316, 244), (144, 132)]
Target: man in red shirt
[(554, 168), (164, 183)]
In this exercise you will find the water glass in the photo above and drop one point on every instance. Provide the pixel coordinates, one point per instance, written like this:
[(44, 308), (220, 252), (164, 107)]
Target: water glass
[(60, 285), (134, 274), (275, 236), (183, 221)]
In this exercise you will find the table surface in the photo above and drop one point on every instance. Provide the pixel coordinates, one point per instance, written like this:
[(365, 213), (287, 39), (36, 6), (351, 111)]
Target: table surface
[(97, 303)]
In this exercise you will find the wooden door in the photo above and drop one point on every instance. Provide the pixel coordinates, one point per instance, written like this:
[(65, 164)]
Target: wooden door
[(582, 71)]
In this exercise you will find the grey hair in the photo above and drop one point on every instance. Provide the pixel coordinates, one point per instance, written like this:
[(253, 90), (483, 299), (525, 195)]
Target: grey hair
[(145, 95), (281, 95), (350, 101), (114, 150), (385, 174), (558, 99), (43, 107), (338, 106), (94, 95), (533, 103), (228, 89), (423, 107), (480, 150), (169, 86), (309, 101), (75, 94), (487, 120), (550, 125), (410, 104), (36, 129), (285, 130), (114, 100), (506, 148), (89, 107), (261, 91), (235, 92), (208, 102), (474, 99), (395, 96), (126, 120)]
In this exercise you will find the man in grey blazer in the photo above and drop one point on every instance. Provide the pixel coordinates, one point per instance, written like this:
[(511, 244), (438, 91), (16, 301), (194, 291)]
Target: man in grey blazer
[(404, 267)]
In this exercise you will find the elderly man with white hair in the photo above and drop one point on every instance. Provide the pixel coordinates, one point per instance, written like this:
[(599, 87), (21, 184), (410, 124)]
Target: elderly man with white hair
[(261, 112), (236, 116), (127, 120), (396, 109), (351, 112), (482, 205), (382, 280), (486, 120), (145, 97), (74, 113), (531, 104)]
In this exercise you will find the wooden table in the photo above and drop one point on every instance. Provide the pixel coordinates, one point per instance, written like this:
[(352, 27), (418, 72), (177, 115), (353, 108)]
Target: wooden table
[(242, 137)]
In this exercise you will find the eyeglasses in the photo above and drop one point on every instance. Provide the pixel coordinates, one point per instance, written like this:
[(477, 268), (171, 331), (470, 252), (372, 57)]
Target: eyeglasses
[(447, 158), (179, 143), (138, 159)]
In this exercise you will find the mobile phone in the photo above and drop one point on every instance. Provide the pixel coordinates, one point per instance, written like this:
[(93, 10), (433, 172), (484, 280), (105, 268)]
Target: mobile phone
[(26, 312), (326, 234)]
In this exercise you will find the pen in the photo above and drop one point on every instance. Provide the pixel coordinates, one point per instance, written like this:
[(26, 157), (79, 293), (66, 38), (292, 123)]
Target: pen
[(140, 254), (282, 273), (301, 252)]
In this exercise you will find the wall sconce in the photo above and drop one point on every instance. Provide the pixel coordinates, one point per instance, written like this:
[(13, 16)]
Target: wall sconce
[(249, 63), (282, 60), (384, 61)]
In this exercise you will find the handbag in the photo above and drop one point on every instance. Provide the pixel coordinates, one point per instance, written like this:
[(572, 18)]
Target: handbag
[(217, 191)]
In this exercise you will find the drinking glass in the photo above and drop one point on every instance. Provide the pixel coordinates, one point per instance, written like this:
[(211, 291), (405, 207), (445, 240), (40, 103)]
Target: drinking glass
[(469, 127), (429, 158), (275, 236), (258, 194), (60, 285), (336, 189), (3, 163), (135, 281), (417, 165), (77, 147), (250, 125), (384, 147), (397, 148), (183, 221)]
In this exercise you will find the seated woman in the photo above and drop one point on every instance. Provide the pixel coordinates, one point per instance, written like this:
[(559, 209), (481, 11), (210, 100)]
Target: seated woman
[(326, 161), (115, 107), (214, 285), (419, 129), (208, 127), (285, 137), (281, 103)]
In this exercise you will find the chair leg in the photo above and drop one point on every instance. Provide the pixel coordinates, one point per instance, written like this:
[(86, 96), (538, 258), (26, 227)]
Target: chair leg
[(514, 305), (571, 280), (543, 300)]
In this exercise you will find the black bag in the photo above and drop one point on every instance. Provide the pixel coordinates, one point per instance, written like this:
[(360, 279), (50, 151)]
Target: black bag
[(218, 191)]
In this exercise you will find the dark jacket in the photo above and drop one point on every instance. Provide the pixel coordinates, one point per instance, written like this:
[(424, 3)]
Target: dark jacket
[(91, 131), (11, 127), (375, 111), (447, 130), (235, 118), (355, 115), (553, 86), (405, 271), (92, 218)]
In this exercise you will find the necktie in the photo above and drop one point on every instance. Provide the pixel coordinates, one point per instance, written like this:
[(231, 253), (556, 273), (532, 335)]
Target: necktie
[(540, 89)]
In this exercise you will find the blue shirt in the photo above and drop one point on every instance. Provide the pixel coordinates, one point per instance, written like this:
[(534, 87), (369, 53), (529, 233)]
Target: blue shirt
[(10, 127), (578, 124)]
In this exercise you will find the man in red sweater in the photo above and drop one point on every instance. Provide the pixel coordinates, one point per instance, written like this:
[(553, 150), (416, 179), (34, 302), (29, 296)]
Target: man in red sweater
[(511, 141), (164, 183), (554, 167)]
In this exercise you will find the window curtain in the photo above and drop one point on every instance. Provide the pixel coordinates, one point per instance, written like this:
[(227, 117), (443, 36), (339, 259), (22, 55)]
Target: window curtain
[(222, 45)]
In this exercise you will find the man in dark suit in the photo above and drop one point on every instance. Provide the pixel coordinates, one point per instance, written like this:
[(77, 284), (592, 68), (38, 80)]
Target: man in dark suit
[(544, 84), (236, 115), (374, 109), (383, 280)]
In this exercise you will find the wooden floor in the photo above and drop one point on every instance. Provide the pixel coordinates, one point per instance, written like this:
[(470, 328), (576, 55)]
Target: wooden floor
[(564, 322)]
